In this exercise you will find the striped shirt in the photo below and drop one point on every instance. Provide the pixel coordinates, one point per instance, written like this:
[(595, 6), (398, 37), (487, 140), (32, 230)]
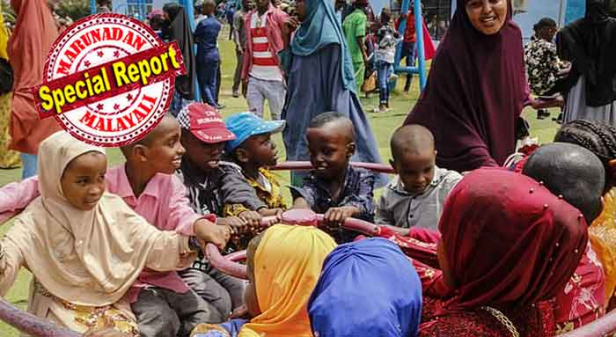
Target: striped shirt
[(264, 65)]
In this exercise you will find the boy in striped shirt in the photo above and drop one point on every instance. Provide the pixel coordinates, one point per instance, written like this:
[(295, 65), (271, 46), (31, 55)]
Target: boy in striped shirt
[(261, 69)]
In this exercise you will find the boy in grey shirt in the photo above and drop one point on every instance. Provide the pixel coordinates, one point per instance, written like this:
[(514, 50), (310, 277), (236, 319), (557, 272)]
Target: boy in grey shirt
[(416, 196)]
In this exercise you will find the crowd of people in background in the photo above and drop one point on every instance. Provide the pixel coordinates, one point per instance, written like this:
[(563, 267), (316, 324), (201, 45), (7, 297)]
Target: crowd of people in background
[(469, 242)]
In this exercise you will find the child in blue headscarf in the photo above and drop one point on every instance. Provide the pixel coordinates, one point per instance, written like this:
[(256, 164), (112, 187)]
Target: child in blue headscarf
[(366, 288)]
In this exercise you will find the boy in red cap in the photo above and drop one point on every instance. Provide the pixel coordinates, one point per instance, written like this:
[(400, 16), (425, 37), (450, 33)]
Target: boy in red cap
[(214, 187)]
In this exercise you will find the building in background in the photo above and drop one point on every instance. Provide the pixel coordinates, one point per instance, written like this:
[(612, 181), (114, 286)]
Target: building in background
[(437, 13)]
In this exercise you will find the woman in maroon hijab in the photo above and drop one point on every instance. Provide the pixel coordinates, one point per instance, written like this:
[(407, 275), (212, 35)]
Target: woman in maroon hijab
[(476, 88), (508, 245)]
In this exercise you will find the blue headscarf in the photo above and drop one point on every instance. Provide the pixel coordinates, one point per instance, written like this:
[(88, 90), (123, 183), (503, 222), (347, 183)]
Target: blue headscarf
[(366, 288), (321, 28)]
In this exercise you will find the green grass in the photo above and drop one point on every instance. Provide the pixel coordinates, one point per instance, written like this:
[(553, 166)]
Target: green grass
[(382, 125)]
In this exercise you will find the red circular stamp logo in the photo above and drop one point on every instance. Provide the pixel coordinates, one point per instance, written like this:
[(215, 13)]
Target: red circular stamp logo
[(108, 80)]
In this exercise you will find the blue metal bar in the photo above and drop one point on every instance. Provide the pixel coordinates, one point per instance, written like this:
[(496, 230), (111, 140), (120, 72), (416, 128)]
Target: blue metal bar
[(404, 8), (421, 55), (408, 70), (92, 6), (420, 44)]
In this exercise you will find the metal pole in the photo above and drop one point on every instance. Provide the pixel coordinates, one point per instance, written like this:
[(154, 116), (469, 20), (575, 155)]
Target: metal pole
[(420, 44), (562, 12), (92, 6), (404, 8), (421, 55)]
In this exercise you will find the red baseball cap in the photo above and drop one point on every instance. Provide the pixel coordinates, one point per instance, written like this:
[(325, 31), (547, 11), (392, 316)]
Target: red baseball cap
[(205, 123)]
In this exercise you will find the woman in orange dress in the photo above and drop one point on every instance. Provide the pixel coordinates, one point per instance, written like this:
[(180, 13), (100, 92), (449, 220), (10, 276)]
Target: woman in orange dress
[(34, 34)]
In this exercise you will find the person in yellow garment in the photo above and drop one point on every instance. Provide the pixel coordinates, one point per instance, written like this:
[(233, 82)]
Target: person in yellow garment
[(284, 264), (8, 159)]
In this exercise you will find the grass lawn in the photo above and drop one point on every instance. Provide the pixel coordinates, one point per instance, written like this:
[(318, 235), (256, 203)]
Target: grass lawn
[(382, 125)]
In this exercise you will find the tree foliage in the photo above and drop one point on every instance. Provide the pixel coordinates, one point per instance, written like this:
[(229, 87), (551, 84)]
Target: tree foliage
[(74, 9)]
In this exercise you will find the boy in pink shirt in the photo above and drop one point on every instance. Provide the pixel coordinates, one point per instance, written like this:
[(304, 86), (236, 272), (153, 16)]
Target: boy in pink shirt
[(163, 303)]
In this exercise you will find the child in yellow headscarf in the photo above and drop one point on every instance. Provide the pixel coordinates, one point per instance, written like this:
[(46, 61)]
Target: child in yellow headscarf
[(284, 265)]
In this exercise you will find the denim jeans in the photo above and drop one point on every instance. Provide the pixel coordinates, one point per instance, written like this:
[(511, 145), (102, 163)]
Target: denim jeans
[(207, 75), (409, 52), (383, 70), (29, 162)]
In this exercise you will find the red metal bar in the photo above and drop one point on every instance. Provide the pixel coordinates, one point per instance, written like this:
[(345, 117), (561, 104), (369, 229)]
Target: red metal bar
[(301, 217), (226, 266), (236, 256), (306, 166), (599, 328), (30, 324)]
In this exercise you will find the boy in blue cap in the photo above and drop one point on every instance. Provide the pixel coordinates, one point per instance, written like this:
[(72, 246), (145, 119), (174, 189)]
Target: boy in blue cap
[(253, 151)]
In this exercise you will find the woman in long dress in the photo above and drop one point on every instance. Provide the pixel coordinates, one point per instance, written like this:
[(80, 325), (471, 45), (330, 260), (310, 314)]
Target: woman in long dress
[(35, 31), (476, 88), (177, 28), (590, 45), (320, 78)]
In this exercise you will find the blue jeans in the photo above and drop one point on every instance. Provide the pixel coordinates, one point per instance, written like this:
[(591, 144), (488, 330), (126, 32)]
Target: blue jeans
[(207, 74), (383, 70), (409, 51), (29, 162)]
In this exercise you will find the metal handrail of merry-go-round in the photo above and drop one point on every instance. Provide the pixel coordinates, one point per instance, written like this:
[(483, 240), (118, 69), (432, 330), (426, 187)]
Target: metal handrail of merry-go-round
[(38, 327), (229, 263)]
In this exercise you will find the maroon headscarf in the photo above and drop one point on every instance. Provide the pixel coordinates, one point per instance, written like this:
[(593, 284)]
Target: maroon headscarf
[(476, 89), (508, 241)]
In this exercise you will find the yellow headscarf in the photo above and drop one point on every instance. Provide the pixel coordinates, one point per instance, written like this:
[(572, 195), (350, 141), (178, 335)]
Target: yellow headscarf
[(90, 257), (4, 37), (602, 235), (287, 266)]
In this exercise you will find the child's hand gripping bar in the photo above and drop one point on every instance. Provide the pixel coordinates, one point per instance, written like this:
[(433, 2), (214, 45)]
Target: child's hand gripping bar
[(301, 217), (306, 166)]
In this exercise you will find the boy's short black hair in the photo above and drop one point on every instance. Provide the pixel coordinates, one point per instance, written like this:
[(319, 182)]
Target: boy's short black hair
[(411, 138), (571, 171), (145, 141), (329, 117)]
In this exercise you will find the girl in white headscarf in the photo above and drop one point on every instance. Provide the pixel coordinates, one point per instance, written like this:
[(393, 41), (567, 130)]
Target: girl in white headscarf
[(84, 247)]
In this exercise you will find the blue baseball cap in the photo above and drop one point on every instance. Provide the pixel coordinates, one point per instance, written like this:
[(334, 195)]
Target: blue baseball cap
[(245, 125)]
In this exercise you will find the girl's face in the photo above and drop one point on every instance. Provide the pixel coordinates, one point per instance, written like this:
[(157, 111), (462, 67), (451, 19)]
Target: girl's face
[(83, 181), (487, 16), (547, 33)]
